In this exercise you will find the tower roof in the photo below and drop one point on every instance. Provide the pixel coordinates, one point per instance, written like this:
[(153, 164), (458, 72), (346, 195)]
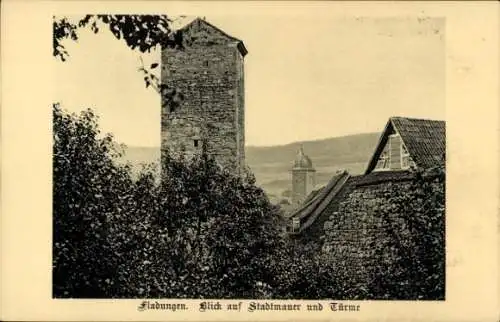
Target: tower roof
[(186, 22), (302, 161)]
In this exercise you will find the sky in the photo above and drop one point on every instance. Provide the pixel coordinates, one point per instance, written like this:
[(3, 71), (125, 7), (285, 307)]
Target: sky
[(306, 77)]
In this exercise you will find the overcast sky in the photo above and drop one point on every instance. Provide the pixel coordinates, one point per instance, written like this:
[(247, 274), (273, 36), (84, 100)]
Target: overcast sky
[(306, 77)]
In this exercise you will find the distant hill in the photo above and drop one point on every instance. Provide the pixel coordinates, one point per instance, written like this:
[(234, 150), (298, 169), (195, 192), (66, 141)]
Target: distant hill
[(271, 165)]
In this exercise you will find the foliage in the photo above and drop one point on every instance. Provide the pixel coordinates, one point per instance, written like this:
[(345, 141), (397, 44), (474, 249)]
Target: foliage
[(202, 232), (415, 221), (87, 191), (141, 32), (400, 252)]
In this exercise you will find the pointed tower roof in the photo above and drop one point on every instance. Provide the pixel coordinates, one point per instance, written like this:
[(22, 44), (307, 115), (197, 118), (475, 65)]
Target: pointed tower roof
[(186, 22), (302, 161)]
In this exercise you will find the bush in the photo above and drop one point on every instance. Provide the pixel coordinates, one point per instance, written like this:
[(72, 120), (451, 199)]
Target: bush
[(399, 249), (201, 232), (87, 192), (417, 236)]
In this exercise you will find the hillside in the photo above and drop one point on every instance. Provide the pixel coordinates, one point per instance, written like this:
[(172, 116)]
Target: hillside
[(271, 165)]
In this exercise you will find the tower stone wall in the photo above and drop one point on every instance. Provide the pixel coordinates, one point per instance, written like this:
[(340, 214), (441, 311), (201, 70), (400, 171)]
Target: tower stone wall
[(303, 178), (208, 77)]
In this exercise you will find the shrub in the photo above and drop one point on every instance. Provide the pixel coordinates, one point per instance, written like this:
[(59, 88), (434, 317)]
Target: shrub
[(417, 236), (87, 191), (398, 248), (201, 232)]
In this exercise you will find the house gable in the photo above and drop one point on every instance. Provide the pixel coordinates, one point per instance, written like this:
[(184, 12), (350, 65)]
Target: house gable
[(394, 155), (409, 142)]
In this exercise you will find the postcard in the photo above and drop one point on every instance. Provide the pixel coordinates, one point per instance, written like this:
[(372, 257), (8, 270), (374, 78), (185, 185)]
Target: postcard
[(231, 161)]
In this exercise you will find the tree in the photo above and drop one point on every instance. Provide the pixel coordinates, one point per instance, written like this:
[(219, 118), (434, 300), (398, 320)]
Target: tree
[(139, 32), (415, 223), (221, 231), (87, 186), (200, 232)]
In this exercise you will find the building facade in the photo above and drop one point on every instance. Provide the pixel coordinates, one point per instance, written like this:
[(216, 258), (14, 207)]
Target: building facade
[(208, 106)]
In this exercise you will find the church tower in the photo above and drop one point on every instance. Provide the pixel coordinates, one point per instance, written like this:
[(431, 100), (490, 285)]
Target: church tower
[(208, 108), (303, 177)]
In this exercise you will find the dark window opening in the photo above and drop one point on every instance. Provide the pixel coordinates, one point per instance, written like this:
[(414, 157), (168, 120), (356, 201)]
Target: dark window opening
[(205, 63), (295, 225), (195, 143)]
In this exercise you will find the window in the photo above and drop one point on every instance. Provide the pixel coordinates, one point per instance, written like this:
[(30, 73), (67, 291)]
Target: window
[(295, 224), (405, 157), (395, 151), (195, 142), (383, 161), (394, 156)]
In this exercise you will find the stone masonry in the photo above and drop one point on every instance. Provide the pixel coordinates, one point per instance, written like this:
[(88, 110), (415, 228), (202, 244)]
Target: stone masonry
[(303, 177), (351, 232), (208, 75)]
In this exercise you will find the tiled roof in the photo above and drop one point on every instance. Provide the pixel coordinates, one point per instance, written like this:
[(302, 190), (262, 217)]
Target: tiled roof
[(314, 207), (384, 176), (312, 195), (424, 139), (315, 229)]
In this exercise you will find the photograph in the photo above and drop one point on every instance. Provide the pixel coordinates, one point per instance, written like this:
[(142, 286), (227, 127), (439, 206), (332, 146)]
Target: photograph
[(248, 157)]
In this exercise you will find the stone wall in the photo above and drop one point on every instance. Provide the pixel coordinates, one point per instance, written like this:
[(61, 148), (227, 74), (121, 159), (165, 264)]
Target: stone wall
[(240, 110), (352, 232), (208, 77)]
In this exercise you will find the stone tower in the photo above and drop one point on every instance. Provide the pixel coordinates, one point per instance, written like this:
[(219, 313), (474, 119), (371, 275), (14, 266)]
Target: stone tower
[(303, 177), (207, 76)]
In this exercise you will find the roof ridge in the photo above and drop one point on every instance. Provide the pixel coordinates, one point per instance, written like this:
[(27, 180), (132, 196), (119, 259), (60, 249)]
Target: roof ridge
[(323, 204), (198, 18), (239, 43), (414, 118)]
